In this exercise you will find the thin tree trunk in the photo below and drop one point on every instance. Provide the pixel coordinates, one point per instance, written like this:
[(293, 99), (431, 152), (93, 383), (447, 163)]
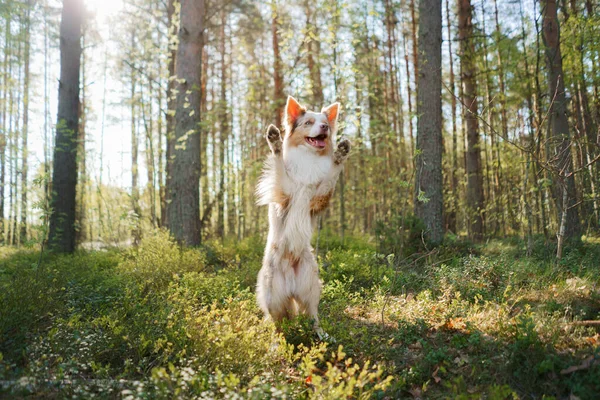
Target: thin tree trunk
[(312, 56), (4, 134), (560, 154), (80, 213), (24, 147), (413, 21), (452, 213), (498, 178), (136, 232), (149, 149), (171, 104), (224, 130), (409, 96), (278, 96), (46, 123), (204, 183), (494, 183), (101, 172)]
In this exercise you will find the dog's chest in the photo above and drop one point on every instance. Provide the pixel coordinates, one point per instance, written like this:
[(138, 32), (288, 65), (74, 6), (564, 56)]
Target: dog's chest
[(305, 167)]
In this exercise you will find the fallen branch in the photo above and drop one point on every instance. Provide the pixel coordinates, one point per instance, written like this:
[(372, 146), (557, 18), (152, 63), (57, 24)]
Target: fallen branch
[(587, 363), (586, 323)]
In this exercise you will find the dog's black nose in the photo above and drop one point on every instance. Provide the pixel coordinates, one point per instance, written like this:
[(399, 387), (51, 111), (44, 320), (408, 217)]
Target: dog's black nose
[(324, 127)]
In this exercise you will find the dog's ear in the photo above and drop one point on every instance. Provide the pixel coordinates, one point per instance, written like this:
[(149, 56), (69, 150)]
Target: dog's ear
[(293, 110), (332, 114)]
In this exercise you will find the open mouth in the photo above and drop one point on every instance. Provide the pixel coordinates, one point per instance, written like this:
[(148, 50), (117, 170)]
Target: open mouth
[(317, 141)]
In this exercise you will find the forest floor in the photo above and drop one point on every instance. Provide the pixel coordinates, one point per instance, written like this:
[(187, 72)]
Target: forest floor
[(465, 321)]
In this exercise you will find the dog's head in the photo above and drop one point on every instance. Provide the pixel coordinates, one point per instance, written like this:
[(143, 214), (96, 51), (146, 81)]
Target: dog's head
[(309, 129)]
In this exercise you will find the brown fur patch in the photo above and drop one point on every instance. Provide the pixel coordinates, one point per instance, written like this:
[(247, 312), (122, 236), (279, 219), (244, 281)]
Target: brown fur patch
[(293, 260), (320, 203), (281, 198)]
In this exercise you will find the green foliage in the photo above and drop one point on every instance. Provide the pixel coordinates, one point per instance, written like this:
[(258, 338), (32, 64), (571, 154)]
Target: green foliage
[(161, 321), (400, 234), (157, 321)]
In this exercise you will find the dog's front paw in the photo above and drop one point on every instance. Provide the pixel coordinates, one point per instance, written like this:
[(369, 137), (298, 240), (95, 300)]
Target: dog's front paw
[(342, 151), (273, 136)]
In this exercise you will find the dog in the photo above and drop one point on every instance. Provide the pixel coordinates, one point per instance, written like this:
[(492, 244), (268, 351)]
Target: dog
[(297, 184)]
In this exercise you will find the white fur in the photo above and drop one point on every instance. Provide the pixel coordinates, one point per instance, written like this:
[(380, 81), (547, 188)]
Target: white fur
[(300, 173), (304, 166)]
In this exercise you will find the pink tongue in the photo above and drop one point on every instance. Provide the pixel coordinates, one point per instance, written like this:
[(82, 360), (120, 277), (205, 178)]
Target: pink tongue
[(321, 143)]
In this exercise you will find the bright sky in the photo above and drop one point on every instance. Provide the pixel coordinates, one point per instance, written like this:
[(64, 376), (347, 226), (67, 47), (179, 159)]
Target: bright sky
[(116, 135)]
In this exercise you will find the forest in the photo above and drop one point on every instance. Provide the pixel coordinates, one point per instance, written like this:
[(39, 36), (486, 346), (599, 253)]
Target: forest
[(459, 253)]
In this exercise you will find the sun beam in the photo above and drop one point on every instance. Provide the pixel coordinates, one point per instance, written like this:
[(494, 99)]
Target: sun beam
[(103, 8)]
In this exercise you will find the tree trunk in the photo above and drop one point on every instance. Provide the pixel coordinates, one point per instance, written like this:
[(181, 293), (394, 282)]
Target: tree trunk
[(278, 97), (475, 206), (428, 184), (312, 57), (452, 212), (530, 165), (3, 134), (559, 140), (64, 176), (170, 115), (80, 211), (24, 154), (136, 232), (204, 183), (101, 172), (46, 126), (493, 193), (224, 131), (409, 97), (184, 191), (504, 121)]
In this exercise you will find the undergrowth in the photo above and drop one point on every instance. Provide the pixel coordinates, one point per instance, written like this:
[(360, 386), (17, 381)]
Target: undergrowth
[(161, 321)]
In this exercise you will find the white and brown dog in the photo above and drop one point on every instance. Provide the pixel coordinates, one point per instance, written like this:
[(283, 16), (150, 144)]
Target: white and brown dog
[(297, 184)]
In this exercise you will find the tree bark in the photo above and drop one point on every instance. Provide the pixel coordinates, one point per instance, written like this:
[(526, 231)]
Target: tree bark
[(428, 184), (64, 176), (80, 211), (170, 115), (224, 131), (559, 140), (3, 134), (184, 190), (452, 213), (278, 97), (136, 232), (409, 97), (469, 99), (312, 57), (24, 153)]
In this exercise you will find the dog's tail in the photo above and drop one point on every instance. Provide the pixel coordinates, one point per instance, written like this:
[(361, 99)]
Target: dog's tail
[(267, 183)]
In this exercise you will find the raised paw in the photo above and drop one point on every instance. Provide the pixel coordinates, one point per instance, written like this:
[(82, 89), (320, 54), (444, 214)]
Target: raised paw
[(342, 151), (274, 139)]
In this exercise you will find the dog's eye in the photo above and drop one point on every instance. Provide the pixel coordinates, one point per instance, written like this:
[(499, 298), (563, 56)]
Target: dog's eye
[(307, 123)]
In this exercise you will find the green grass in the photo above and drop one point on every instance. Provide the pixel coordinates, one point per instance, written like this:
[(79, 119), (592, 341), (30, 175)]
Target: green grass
[(159, 321)]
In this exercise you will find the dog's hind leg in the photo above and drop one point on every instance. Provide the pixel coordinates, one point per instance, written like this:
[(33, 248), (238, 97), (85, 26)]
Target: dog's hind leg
[(308, 288), (273, 294)]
